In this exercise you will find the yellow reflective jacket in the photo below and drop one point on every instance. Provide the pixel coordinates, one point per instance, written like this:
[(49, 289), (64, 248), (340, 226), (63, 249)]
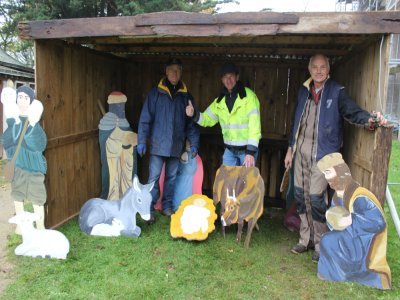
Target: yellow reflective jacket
[(241, 126)]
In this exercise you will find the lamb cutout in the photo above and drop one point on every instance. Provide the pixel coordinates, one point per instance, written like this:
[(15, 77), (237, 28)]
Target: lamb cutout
[(103, 229), (114, 218), (45, 243)]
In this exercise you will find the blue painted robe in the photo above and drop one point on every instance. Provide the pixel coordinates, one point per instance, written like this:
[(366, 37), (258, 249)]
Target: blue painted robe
[(358, 253)]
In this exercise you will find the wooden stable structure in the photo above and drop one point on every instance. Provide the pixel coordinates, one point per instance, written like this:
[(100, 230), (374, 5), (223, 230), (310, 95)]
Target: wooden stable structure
[(80, 61)]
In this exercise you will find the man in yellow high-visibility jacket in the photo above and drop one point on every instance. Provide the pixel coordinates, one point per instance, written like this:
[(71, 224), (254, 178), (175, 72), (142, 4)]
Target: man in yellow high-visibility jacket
[(237, 110)]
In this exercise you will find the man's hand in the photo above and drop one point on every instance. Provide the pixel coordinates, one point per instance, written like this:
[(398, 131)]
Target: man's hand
[(288, 158), (190, 109), (193, 150), (376, 120), (141, 149), (249, 161)]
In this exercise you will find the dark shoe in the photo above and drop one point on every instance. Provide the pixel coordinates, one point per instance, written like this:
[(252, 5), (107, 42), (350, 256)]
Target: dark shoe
[(168, 212), (315, 256), (310, 245), (299, 248), (151, 221)]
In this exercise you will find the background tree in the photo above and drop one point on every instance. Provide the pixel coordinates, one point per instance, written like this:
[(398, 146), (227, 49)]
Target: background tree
[(14, 11)]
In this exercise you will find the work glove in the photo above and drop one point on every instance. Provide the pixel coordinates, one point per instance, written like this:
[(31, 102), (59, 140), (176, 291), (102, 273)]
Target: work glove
[(141, 149), (193, 150)]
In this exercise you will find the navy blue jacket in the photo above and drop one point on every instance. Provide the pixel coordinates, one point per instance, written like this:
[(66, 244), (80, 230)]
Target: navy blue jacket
[(163, 120), (335, 106)]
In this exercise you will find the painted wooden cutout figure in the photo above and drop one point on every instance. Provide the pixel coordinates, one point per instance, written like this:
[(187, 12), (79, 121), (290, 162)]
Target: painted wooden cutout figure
[(117, 142), (113, 229), (45, 243), (194, 219), (120, 213), (241, 193), (189, 179), (24, 142), (355, 248)]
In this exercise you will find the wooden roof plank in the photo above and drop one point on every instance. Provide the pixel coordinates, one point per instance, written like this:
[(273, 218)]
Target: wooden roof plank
[(188, 18), (230, 40), (84, 27), (233, 24), (173, 18), (256, 18), (352, 22), (216, 30), (220, 50)]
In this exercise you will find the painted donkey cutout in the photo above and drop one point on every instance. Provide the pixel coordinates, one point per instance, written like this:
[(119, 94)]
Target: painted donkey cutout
[(137, 199)]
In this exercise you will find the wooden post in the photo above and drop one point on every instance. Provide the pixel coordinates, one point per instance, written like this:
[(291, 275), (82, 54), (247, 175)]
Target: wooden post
[(380, 162)]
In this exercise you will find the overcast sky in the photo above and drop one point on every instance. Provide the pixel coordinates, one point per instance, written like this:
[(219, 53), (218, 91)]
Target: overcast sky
[(280, 5)]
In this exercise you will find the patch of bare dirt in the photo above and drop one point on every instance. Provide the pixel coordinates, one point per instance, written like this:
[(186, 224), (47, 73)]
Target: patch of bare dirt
[(6, 211)]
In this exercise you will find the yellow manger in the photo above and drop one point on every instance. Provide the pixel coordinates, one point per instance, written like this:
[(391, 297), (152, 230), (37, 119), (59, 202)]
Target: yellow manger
[(194, 219)]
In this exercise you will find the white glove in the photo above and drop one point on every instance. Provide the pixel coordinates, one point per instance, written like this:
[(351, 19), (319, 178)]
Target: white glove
[(35, 111), (9, 100)]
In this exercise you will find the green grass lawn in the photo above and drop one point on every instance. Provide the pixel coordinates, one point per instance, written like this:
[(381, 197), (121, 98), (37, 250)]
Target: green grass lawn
[(157, 266)]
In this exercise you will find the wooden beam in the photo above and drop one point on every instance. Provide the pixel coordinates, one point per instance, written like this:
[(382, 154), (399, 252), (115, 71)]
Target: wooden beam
[(351, 22), (173, 18), (216, 30), (85, 27), (380, 162), (218, 40), (233, 24), (188, 18), (234, 49), (256, 18), (72, 138)]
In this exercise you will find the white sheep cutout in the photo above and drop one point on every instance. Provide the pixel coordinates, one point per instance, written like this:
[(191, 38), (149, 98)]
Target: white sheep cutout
[(39, 242), (113, 229)]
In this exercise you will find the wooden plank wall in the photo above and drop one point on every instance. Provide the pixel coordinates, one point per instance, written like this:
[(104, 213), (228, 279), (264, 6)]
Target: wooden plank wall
[(69, 80), (361, 74), (275, 84)]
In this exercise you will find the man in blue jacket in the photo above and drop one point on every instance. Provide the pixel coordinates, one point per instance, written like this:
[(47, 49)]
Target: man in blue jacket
[(322, 104), (164, 122)]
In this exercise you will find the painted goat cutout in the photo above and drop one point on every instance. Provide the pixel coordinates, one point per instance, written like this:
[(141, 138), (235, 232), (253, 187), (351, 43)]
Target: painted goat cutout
[(241, 193), (46, 243), (114, 218)]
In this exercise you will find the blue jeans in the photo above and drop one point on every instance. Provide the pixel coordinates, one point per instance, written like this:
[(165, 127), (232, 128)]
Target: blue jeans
[(235, 158), (171, 169)]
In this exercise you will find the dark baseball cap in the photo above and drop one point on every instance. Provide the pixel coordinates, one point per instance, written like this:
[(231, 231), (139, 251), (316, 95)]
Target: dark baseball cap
[(229, 67), (173, 61)]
